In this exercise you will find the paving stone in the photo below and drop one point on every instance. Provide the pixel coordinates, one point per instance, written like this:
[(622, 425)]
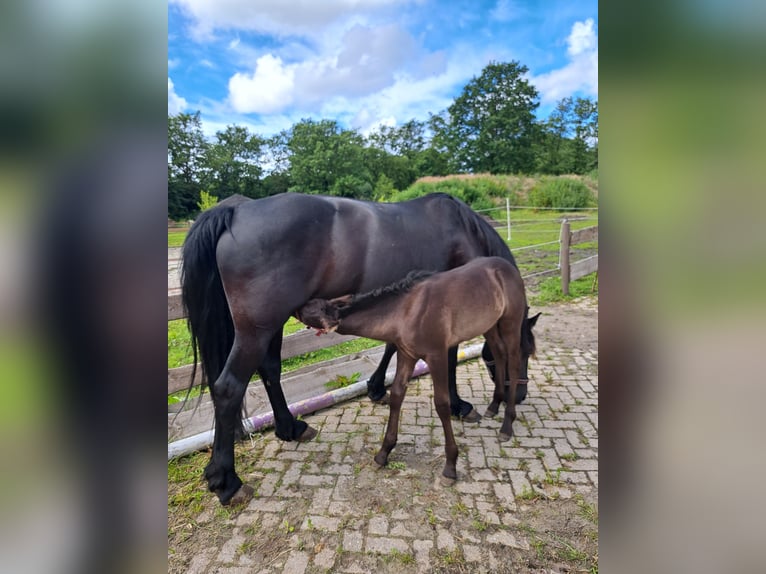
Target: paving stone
[(506, 539), (352, 541), (296, 563), (325, 559), (378, 525), (386, 545), (445, 540), (320, 522), (472, 553)]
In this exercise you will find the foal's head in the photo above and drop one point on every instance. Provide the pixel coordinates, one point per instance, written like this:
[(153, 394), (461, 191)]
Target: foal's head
[(322, 314)]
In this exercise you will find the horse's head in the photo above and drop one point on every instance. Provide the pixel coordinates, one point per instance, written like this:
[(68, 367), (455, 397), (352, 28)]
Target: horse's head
[(320, 314)]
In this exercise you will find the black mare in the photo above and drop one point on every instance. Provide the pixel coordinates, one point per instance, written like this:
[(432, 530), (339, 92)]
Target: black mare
[(248, 265)]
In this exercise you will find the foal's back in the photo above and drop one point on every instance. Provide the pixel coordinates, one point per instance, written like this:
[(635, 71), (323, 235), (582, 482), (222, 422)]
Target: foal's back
[(463, 303)]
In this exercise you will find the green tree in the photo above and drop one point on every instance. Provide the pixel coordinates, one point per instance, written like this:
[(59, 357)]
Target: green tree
[(491, 126), (585, 128), (327, 159), (187, 149), (233, 162)]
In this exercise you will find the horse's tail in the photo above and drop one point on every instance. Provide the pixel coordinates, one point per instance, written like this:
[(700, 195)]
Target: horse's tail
[(207, 310)]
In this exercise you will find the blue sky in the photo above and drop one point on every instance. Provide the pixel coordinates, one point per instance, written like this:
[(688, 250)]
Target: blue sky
[(266, 64)]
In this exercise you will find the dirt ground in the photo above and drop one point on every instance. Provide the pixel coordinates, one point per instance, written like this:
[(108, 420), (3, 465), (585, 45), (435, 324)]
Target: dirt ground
[(400, 519)]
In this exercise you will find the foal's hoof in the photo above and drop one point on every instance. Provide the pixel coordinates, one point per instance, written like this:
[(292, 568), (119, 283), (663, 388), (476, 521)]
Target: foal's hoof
[(307, 435), (472, 417), (488, 414), (504, 437), (446, 481), (381, 460), (243, 495)]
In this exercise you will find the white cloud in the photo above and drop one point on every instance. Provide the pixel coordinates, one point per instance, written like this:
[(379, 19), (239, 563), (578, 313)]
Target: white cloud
[(304, 17), (582, 39), (268, 89), (580, 74), (176, 104), (361, 62)]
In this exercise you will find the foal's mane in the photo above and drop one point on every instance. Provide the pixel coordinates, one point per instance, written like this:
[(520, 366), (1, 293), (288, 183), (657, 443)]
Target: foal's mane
[(363, 300)]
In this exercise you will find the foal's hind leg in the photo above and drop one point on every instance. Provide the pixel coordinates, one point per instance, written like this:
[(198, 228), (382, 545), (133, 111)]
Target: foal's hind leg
[(287, 427), (439, 368), (376, 384), (404, 368)]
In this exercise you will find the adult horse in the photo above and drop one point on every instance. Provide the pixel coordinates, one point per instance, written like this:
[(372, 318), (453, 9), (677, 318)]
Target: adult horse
[(248, 265)]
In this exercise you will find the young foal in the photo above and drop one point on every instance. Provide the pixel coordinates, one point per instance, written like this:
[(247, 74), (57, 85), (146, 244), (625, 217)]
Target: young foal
[(424, 315)]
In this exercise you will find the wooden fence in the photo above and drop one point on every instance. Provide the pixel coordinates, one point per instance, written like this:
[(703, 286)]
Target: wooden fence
[(570, 271)]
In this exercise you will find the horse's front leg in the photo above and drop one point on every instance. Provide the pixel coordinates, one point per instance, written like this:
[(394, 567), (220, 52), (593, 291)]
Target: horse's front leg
[(404, 367), (376, 384), (458, 407)]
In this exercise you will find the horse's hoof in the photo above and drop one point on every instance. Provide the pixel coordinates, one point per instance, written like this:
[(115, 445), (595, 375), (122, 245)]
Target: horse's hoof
[(307, 435), (446, 481), (488, 414), (504, 437), (243, 495), (384, 400), (471, 417), (381, 461)]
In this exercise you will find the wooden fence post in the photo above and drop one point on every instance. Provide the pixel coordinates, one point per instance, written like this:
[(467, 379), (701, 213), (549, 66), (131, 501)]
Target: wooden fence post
[(564, 256)]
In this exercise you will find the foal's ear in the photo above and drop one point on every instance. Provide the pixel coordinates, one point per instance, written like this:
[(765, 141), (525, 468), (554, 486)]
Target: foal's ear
[(341, 302), (533, 320)]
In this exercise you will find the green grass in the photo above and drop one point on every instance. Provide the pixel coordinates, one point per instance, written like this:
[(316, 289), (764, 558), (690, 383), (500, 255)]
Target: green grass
[(549, 290), (176, 238)]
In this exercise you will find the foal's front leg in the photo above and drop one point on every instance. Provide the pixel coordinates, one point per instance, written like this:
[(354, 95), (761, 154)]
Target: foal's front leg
[(404, 367)]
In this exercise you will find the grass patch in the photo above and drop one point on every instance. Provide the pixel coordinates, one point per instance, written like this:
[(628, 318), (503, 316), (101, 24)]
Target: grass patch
[(549, 290), (341, 381), (176, 238)]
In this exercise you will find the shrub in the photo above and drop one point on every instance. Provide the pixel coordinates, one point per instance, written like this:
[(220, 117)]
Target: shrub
[(206, 200), (560, 192), (477, 192)]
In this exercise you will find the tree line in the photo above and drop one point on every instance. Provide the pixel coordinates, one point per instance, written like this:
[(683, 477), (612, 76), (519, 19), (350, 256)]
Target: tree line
[(490, 127)]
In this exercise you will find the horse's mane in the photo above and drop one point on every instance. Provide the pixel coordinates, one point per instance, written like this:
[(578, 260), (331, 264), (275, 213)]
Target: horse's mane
[(400, 287), (493, 244)]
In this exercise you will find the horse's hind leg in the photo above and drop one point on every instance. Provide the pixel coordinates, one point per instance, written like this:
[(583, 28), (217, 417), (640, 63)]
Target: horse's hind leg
[(227, 392), (376, 384), (287, 427), (439, 368), (458, 407), (404, 368)]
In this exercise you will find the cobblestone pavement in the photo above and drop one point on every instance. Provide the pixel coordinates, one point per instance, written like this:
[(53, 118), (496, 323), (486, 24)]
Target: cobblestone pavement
[(324, 506)]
